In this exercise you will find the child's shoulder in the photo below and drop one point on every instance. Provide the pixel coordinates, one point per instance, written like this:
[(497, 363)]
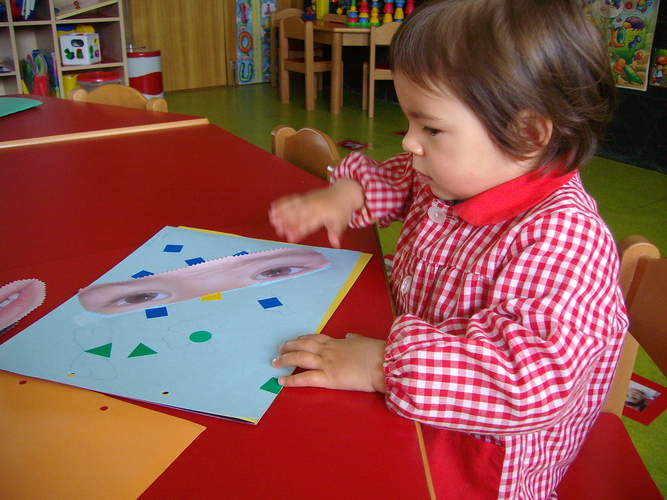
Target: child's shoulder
[(569, 208)]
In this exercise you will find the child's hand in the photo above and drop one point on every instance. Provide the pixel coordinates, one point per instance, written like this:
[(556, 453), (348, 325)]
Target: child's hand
[(295, 217), (353, 363)]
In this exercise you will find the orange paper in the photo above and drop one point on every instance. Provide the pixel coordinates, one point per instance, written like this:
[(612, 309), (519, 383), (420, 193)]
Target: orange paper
[(58, 441)]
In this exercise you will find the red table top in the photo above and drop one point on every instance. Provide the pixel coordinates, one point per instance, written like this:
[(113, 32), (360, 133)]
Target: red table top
[(72, 210), (62, 116)]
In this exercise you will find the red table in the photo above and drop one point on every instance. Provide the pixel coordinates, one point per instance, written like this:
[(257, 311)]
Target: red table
[(61, 119), (72, 210)]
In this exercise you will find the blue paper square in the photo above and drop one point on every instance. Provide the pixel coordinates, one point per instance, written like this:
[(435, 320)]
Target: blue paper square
[(173, 248), (156, 312), (270, 302), (142, 274), (194, 261)]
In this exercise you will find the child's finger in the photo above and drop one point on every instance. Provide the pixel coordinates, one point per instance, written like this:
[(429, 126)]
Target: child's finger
[(311, 378)]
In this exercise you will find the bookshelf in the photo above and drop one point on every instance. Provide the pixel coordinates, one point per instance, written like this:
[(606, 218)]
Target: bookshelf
[(19, 37)]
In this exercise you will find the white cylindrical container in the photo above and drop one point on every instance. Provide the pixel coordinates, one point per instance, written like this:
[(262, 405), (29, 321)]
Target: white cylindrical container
[(144, 69)]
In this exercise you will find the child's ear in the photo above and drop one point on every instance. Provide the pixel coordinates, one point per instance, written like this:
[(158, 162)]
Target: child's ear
[(535, 128)]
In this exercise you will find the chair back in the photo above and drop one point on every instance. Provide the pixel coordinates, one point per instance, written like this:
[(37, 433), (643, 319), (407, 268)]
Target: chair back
[(294, 28), (276, 17), (119, 95), (646, 301), (309, 149), (379, 36), (643, 280), (287, 4), (382, 35), (334, 18)]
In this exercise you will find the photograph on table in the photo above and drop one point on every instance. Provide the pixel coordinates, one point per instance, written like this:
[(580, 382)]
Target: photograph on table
[(645, 400)]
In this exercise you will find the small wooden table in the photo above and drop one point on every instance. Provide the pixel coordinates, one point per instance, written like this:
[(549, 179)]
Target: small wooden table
[(338, 36)]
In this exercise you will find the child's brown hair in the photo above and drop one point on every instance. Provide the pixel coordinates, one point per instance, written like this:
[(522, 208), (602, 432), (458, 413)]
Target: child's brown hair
[(506, 58)]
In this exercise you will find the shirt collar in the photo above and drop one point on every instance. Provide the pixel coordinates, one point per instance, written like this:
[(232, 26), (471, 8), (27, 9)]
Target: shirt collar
[(511, 198)]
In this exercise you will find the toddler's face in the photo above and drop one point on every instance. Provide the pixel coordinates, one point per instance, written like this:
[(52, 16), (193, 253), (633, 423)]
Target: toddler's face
[(634, 396), (452, 150), (199, 280)]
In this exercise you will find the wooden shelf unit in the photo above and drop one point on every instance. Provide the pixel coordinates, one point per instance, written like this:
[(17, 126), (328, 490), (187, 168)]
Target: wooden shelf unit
[(19, 37)]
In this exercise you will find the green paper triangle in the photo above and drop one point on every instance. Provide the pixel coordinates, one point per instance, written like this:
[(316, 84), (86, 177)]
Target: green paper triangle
[(272, 385), (103, 350), (141, 350)]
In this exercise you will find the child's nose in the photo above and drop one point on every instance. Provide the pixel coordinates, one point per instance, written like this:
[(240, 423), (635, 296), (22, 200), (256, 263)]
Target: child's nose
[(411, 143)]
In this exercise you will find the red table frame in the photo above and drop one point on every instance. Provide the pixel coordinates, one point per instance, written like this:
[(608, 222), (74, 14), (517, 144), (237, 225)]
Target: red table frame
[(58, 120)]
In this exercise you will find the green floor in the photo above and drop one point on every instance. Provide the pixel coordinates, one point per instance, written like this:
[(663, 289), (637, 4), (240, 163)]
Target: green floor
[(632, 200)]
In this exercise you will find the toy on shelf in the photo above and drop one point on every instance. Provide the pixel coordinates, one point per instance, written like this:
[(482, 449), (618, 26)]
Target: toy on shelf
[(310, 11), (363, 14), (398, 14), (342, 7), (375, 13), (409, 7), (352, 14), (388, 11)]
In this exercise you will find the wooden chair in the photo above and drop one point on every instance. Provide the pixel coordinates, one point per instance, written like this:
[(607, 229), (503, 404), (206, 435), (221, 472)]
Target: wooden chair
[(119, 95), (334, 18), (289, 4), (309, 149), (380, 36), (608, 466), (276, 17), (294, 28)]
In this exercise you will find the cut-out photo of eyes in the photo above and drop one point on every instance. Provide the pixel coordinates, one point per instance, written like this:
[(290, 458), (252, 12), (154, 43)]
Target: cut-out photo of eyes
[(199, 280)]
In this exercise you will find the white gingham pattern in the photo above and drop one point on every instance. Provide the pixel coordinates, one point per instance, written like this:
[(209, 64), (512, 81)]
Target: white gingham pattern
[(507, 330)]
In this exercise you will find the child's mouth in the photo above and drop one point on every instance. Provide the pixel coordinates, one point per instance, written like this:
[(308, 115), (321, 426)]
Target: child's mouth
[(19, 298)]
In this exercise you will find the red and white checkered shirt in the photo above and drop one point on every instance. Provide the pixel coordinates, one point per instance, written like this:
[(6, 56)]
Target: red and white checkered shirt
[(510, 320)]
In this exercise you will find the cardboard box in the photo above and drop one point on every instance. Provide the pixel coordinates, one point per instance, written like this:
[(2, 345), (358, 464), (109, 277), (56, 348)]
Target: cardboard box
[(80, 49)]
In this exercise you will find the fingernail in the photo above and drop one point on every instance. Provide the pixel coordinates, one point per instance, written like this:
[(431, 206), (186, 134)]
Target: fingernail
[(274, 361), (281, 380)]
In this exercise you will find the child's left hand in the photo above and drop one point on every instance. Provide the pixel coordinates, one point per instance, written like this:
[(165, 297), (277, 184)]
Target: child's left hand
[(353, 363)]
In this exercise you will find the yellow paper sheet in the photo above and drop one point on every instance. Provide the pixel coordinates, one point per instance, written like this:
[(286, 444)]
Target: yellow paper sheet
[(58, 441)]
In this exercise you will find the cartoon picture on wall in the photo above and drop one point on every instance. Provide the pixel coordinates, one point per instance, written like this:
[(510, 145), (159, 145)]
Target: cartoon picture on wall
[(658, 67), (253, 19), (627, 28), (191, 319)]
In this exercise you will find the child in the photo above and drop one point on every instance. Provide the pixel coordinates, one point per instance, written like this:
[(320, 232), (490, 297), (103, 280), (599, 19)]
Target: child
[(509, 319)]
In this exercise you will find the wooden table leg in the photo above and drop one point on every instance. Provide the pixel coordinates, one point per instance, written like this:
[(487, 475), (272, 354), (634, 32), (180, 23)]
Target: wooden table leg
[(337, 73)]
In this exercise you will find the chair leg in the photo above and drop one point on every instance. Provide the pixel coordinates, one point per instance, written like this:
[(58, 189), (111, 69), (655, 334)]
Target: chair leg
[(371, 94), (284, 86), (364, 87), (273, 55), (342, 72), (310, 91)]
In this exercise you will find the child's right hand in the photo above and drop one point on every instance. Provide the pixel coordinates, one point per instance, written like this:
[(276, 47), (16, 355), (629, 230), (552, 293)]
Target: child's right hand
[(297, 216)]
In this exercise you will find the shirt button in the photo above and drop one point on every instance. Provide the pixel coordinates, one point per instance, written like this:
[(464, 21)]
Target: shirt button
[(405, 284), (437, 215)]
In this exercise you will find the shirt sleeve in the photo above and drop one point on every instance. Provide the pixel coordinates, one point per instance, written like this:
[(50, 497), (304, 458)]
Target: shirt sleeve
[(529, 352), (387, 187)]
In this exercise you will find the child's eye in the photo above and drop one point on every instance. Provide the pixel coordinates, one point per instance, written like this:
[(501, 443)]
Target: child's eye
[(277, 272), (431, 131), (139, 298)]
